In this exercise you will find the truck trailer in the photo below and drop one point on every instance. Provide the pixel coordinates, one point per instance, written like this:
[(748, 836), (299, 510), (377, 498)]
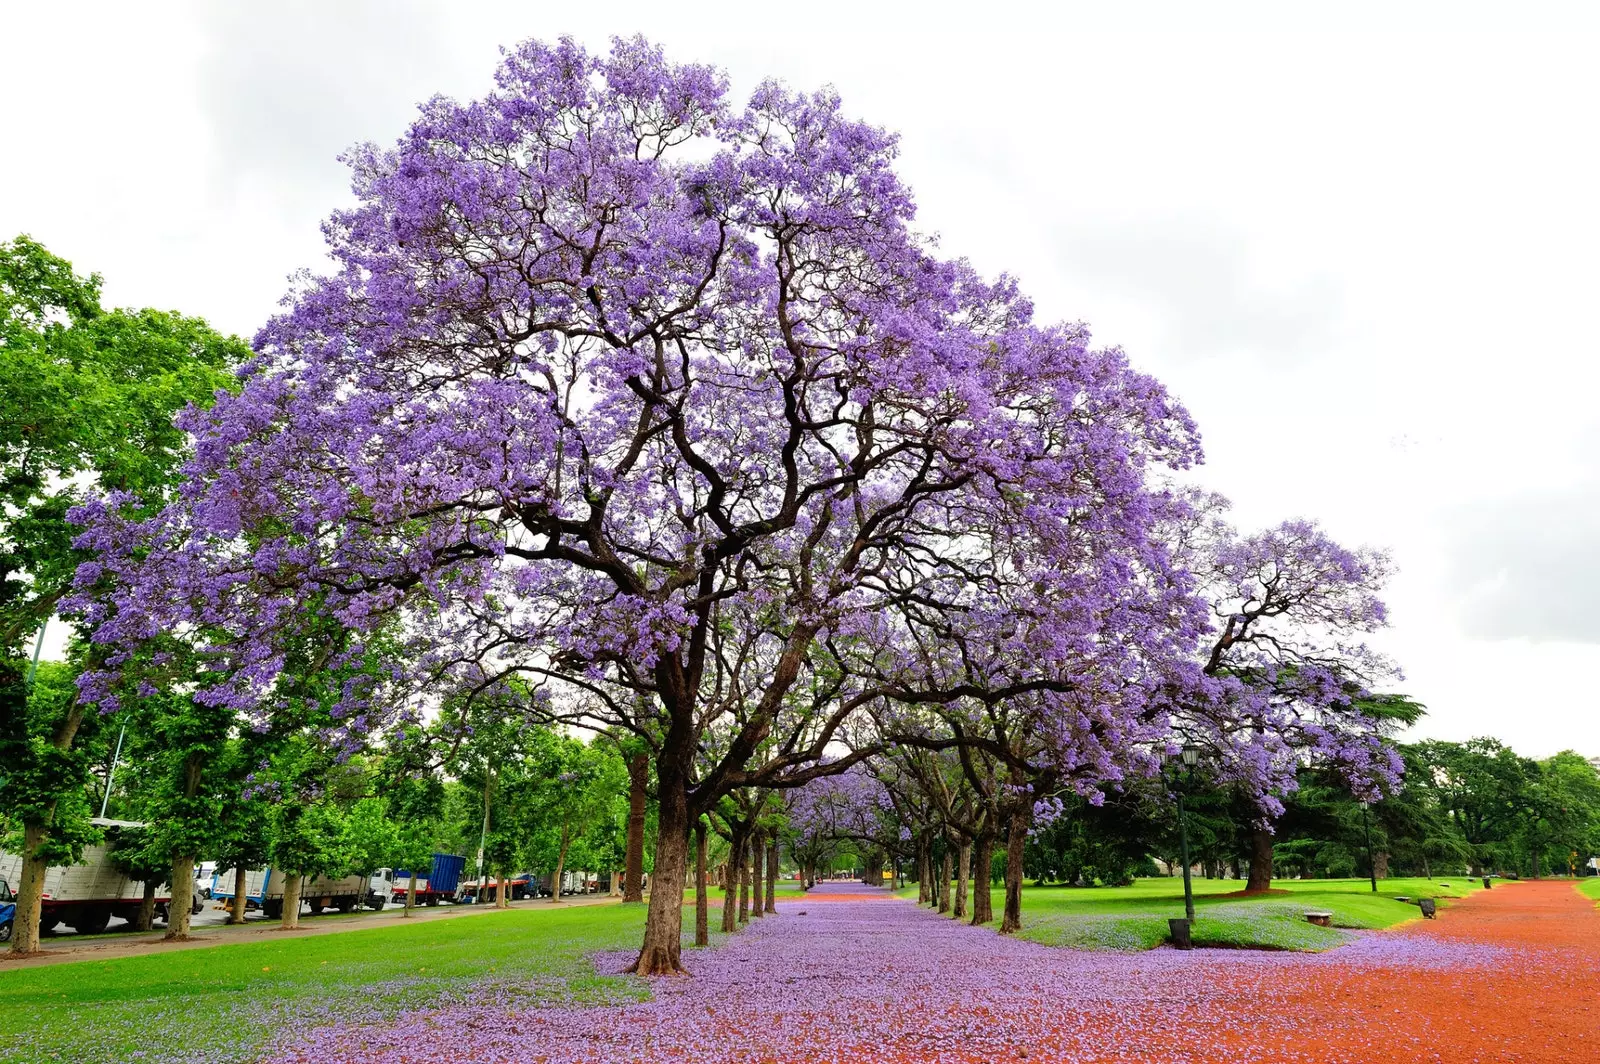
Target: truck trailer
[(263, 889), (438, 885), (85, 896)]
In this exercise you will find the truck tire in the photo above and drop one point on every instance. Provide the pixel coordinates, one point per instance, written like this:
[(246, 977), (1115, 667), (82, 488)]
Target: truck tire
[(316, 908), (5, 931), (273, 909), (433, 899), (375, 902), (344, 905), (91, 920)]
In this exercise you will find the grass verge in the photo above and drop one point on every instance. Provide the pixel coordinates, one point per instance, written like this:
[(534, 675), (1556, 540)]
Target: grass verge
[(1134, 918), (225, 1003)]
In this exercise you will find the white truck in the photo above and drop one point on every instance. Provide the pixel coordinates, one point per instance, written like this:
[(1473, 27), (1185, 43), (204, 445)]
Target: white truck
[(85, 896), (263, 889)]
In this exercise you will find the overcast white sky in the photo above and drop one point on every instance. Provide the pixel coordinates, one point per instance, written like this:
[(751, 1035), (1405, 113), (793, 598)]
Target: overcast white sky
[(1360, 244)]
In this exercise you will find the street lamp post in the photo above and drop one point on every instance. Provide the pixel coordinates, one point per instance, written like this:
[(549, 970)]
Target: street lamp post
[(1366, 827), (1191, 757)]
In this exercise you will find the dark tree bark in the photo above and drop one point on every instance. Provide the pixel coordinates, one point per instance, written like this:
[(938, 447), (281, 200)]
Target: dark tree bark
[(147, 907), (1260, 860), (1016, 837), (924, 877), (982, 899), (772, 873), (702, 904), (744, 880), (633, 861), (757, 877), (663, 924), (945, 873), (963, 875), (730, 882)]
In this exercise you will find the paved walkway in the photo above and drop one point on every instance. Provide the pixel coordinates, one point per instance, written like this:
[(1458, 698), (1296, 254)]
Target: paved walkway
[(848, 975)]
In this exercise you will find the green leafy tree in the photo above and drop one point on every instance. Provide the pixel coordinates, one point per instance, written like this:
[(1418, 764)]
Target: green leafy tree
[(87, 397), (568, 798)]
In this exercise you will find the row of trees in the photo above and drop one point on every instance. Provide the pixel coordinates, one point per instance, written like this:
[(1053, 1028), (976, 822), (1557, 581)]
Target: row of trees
[(630, 410)]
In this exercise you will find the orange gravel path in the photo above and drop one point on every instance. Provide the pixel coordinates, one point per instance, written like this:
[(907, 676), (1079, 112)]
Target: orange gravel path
[(1538, 1001)]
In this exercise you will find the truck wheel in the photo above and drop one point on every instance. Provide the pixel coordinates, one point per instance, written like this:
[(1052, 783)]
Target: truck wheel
[(433, 899), (273, 909), (91, 921), (5, 931), (344, 905), (375, 903), (316, 908)]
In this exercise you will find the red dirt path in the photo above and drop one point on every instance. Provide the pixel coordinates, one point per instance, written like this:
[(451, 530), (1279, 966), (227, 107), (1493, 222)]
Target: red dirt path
[(1539, 1002)]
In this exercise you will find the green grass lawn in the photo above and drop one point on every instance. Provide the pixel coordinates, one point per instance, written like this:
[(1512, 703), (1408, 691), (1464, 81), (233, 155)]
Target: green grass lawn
[(1135, 918), (225, 1002), (1590, 887)]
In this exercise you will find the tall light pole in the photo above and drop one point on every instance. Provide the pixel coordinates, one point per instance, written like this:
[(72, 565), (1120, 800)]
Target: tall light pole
[(38, 646), (1366, 826), (1191, 757)]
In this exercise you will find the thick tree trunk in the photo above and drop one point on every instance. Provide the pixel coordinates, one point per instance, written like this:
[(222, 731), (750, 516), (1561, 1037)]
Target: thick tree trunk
[(771, 905), (147, 907), (25, 922), (1380, 864), (663, 926), (1016, 837), (963, 875), (291, 901), (239, 902), (561, 864), (633, 870), (945, 873), (25, 926), (182, 883), (744, 880), (1260, 860), (702, 903), (982, 898), (758, 861), (730, 883), (924, 875)]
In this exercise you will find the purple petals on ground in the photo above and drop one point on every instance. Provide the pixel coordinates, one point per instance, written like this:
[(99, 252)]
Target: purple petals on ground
[(884, 981)]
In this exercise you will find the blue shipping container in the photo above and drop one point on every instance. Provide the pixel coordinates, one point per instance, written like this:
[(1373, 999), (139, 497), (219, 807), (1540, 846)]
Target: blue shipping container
[(446, 872)]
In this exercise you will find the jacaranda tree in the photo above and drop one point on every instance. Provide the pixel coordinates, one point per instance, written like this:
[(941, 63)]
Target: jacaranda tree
[(607, 362)]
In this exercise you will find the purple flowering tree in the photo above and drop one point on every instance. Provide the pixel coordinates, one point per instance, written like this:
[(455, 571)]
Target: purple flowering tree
[(608, 366), (1286, 676)]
